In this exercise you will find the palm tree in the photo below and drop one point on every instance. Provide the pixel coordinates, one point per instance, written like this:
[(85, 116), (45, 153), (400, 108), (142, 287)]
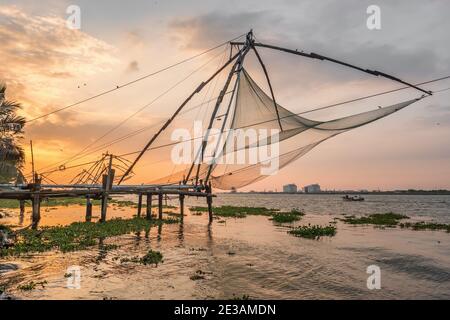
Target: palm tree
[(12, 155)]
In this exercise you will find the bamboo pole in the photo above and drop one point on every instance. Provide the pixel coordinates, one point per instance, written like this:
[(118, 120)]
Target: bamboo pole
[(182, 205), (160, 205), (36, 203), (209, 201), (139, 206), (149, 206), (107, 185), (88, 209), (22, 207)]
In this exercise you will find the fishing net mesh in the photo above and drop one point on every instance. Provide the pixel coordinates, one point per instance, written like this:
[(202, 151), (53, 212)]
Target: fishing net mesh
[(261, 137)]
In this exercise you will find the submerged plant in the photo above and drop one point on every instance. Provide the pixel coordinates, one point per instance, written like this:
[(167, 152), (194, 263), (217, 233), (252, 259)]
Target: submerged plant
[(32, 285), (76, 236), (151, 257), (287, 217), (313, 231), (236, 212), (381, 219), (425, 226)]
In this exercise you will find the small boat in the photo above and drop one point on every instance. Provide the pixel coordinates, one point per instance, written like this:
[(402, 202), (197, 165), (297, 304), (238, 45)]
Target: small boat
[(352, 198)]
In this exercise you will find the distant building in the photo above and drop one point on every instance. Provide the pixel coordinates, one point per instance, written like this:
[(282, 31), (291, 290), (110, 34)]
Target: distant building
[(290, 188), (312, 188)]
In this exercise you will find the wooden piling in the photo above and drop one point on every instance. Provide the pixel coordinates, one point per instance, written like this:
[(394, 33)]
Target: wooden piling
[(160, 205), (107, 183), (209, 201), (104, 198), (36, 203), (22, 207), (139, 206), (149, 207), (182, 206), (88, 209)]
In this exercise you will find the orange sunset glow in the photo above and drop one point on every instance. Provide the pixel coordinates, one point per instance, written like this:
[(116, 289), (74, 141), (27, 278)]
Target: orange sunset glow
[(47, 66)]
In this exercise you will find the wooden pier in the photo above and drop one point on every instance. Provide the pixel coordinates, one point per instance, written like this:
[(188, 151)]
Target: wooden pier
[(36, 192)]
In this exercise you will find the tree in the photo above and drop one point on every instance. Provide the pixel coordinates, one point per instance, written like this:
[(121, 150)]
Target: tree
[(12, 155)]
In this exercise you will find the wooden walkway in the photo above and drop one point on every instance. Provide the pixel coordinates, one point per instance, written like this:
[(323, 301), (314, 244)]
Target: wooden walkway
[(36, 192)]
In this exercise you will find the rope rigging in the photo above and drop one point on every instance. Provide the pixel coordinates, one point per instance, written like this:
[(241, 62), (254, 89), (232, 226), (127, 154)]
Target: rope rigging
[(118, 87), (280, 115)]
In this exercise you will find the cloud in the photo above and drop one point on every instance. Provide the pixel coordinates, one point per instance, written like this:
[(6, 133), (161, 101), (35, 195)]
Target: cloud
[(39, 53), (207, 30)]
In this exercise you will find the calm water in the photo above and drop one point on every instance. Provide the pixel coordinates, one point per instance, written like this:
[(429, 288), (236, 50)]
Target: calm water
[(252, 256)]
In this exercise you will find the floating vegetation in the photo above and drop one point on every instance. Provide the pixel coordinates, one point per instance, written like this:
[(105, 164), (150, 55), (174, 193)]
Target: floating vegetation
[(55, 202), (108, 247), (197, 249), (124, 203), (10, 204), (425, 226), (313, 231), (151, 257), (196, 277), (236, 212), (287, 217), (380, 219), (76, 236), (32, 285), (243, 297)]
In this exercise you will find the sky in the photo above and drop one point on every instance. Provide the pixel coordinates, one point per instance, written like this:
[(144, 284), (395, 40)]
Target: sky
[(47, 66)]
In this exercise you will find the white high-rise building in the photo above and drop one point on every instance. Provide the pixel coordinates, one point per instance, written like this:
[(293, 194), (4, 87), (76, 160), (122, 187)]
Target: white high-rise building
[(290, 188), (312, 188)]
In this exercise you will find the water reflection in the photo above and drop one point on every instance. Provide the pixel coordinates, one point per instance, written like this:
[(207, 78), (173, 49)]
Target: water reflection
[(254, 257)]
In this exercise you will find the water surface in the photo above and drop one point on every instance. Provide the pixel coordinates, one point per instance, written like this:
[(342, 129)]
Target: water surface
[(253, 256)]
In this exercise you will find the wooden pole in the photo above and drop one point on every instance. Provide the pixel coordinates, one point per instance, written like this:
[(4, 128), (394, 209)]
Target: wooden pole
[(160, 205), (175, 114), (139, 208), (107, 183), (22, 207), (32, 161), (36, 203), (88, 209), (209, 201), (182, 206), (149, 206)]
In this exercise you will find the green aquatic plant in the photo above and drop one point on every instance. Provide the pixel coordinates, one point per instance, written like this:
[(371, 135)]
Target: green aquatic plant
[(196, 277), (76, 236), (31, 285), (380, 219), (287, 217), (236, 212), (425, 226), (313, 231), (55, 202), (243, 297), (151, 257)]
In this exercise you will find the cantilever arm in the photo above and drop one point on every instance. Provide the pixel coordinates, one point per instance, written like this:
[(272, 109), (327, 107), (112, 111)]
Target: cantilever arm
[(197, 90), (270, 84), (313, 55)]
